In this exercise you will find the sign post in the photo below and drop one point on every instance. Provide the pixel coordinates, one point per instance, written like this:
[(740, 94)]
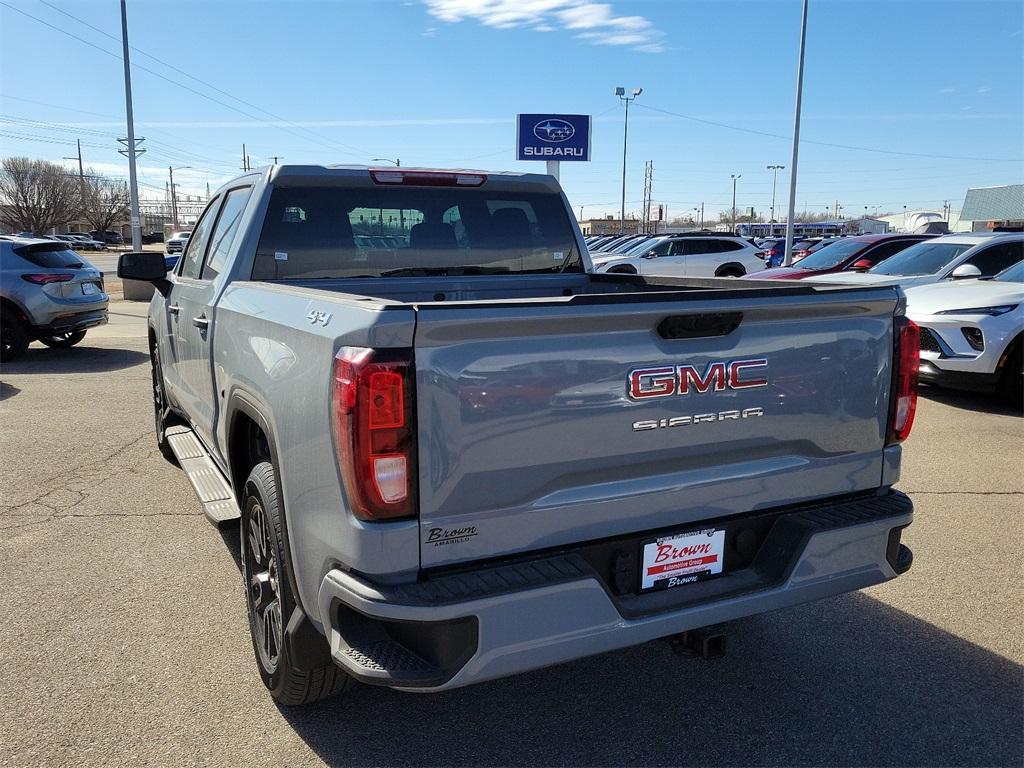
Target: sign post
[(553, 138)]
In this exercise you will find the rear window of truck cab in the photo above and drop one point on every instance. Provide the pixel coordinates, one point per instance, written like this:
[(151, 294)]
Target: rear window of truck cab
[(409, 231)]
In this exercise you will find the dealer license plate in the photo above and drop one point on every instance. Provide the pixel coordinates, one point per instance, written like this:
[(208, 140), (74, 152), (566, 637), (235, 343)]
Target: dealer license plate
[(684, 558)]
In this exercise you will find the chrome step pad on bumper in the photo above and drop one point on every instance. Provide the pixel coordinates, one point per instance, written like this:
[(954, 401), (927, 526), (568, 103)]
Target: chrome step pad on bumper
[(207, 481)]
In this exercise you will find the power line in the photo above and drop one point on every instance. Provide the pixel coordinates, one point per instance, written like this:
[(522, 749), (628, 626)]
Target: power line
[(203, 82), (827, 143)]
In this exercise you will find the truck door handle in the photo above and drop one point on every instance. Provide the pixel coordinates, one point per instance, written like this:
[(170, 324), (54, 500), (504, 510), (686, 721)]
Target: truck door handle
[(174, 309), (200, 322)]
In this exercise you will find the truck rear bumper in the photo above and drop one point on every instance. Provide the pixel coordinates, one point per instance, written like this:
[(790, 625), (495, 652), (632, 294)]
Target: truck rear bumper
[(468, 626)]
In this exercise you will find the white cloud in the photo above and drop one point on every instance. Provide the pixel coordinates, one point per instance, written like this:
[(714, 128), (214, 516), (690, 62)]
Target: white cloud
[(596, 23)]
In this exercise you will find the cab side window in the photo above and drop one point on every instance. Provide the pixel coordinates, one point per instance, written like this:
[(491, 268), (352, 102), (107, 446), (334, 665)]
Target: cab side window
[(192, 258), (993, 260), (224, 232)]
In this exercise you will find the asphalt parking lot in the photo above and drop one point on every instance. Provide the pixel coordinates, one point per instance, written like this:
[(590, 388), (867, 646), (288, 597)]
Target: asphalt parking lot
[(126, 642)]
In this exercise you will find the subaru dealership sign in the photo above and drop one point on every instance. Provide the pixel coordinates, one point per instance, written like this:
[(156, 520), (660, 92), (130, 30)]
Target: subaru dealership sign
[(553, 137)]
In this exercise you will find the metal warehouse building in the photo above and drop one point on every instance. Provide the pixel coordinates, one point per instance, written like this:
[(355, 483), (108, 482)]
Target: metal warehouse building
[(990, 207)]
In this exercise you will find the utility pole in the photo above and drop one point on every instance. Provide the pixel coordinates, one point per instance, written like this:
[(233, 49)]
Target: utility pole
[(275, 158), (648, 179), (702, 215), (775, 178), (132, 151), (788, 259), (174, 198), (734, 178), (81, 170), (245, 159)]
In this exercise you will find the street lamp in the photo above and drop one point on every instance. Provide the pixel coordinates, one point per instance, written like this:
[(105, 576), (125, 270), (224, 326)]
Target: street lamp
[(396, 161), (174, 197), (621, 93), (775, 177), (734, 177)]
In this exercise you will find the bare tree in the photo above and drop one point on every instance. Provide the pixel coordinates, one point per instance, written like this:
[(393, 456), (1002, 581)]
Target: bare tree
[(36, 195), (104, 201)]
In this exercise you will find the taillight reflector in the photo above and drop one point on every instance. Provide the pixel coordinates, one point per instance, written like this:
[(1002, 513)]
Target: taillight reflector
[(372, 419), (48, 277), (906, 362)]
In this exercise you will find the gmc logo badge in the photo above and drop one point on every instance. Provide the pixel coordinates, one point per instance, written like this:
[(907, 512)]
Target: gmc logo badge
[(668, 380)]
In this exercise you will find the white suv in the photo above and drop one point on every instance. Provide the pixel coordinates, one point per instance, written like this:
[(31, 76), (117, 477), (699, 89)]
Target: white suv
[(696, 254), (971, 332)]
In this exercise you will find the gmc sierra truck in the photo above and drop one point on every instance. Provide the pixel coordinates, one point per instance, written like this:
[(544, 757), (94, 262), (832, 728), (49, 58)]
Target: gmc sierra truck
[(457, 453)]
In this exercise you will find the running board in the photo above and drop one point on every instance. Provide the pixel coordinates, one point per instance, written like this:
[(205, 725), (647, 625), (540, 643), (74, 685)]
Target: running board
[(207, 481)]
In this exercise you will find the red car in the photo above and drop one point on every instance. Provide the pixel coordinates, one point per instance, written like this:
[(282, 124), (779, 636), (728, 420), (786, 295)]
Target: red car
[(856, 254)]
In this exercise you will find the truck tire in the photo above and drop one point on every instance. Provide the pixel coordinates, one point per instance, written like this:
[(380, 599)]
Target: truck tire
[(160, 406), (13, 337), (63, 340), (267, 577)]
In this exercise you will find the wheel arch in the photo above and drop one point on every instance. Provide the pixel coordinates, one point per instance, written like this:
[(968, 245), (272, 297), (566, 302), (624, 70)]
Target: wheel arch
[(1014, 347), (248, 427), (730, 267), (10, 305)]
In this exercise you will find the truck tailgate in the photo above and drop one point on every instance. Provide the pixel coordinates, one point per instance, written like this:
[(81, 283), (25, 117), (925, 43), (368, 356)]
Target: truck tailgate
[(535, 432)]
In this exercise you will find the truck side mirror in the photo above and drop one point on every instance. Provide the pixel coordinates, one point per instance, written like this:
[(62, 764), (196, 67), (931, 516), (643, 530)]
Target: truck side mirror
[(965, 271), (650, 255), (862, 265), (146, 267)]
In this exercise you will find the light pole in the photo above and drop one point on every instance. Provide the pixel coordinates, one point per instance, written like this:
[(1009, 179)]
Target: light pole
[(174, 196), (621, 93), (775, 177), (695, 210), (904, 218), (396, 161), (734, 177), (788, 259)]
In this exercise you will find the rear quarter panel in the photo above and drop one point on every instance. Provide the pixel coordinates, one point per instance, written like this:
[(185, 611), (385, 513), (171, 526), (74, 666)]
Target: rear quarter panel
[(268, 352)]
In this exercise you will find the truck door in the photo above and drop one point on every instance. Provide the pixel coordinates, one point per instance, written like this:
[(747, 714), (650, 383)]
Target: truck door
[(191, 304)]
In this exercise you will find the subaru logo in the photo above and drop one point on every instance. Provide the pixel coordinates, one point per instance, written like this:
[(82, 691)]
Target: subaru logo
[(554, 130)]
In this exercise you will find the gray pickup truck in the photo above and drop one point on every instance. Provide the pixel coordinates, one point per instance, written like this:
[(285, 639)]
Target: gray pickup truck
[(457, 453)]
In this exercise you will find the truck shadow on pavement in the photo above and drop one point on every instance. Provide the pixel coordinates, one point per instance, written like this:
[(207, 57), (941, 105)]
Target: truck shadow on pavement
[(844, 681), (848, 681), (972, 401), (82, 359)]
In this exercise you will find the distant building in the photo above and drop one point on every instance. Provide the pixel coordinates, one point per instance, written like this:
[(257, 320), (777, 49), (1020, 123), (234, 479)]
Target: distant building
[(867, 226), (990, 207), (609, 226)]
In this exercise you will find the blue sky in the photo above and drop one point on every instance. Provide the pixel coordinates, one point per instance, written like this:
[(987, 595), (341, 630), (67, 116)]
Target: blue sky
[(935, 89)]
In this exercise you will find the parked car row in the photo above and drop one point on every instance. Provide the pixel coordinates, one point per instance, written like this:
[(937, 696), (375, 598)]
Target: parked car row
[(965, 291)]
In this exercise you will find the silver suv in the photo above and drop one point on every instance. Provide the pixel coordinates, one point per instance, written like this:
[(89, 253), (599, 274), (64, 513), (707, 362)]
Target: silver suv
[(47, 293)]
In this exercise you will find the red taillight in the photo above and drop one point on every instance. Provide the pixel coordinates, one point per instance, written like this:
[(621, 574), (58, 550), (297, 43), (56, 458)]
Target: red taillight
[(372, 418), (48, 277), (427, 178), (906, 361)]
